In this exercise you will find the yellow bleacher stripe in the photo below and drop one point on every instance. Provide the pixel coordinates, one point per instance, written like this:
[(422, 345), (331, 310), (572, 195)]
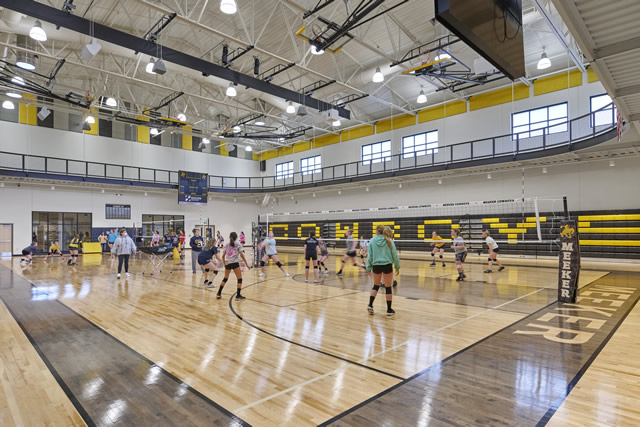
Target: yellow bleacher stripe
[(610, 242), (499, 225), (512, 230), (610, 230), (485, 220), (617, 217), (437, 221), (307, 225), (455, 226), (533, 219), (525, 225), (512, 236), (584, 224)]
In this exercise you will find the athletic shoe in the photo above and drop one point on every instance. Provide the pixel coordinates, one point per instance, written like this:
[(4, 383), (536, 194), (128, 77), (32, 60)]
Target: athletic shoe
[(390, 312), (306, 281), (240, 297), (339, 274), (286, 274), (459, 279), (326, 272), (218, 296), (488, 271), (433, 264), (316, 281), (444, 265), (464, 276), (370, 309), (261, 274), (118, 276), (501, 268), (210, 284), (128, 275)]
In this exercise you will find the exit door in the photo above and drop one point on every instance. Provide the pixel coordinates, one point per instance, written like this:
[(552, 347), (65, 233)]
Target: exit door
[(6, 240)]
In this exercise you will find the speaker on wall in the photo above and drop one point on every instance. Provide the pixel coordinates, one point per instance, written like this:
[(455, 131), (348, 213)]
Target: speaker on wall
[(263, 166)]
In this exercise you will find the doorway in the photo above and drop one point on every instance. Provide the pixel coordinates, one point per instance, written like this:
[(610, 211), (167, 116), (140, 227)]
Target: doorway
[(6, 240)]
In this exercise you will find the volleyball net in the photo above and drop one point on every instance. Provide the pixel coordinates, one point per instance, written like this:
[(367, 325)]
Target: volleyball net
[(527, 226)]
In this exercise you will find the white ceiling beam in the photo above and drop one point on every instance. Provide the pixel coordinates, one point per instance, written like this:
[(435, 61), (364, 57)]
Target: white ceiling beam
[(616, 48), (626, 91)]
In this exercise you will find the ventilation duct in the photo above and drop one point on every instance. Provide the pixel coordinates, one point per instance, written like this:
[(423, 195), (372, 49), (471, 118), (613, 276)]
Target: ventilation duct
[(25, 60)]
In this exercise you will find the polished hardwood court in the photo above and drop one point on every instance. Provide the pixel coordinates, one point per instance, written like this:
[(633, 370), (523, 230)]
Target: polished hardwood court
[(144, 349)]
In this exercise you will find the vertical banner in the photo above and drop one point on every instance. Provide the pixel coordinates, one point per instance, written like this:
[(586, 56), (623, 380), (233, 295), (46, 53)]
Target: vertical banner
[(569, 262)]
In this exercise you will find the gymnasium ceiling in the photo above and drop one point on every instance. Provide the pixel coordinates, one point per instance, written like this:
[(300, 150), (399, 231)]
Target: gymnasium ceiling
[(200, 29)]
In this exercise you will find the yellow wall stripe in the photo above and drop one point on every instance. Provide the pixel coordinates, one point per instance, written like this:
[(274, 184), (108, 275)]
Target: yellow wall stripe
[(395, 123), (143, 131), (616, 217), (325, 140), (358, 132), (301, 146), (285, 151), (442, 111), (557, 82), (187, 140), (500, 96), (28, 114), (610, 230), (592, 76)]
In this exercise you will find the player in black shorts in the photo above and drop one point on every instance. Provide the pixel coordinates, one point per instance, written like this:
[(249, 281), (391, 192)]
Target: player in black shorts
[(324, 255), (311, 254), (208, 259), (352, 246)]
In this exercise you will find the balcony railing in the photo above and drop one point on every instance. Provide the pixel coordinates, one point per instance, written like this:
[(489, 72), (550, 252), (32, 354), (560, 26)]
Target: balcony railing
[(590, 129)]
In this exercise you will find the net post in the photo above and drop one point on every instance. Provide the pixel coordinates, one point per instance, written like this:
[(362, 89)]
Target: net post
[(566, 207)]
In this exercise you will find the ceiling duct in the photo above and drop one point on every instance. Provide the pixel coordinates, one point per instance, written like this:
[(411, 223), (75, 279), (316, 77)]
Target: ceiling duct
[(26, 60)]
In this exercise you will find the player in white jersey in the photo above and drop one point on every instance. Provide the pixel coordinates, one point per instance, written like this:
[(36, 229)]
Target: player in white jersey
[(493, 251), (364, 247), (351, 253)]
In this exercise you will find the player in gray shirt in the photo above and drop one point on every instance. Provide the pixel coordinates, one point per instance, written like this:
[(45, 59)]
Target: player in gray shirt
[(352, 245), (461, 252)]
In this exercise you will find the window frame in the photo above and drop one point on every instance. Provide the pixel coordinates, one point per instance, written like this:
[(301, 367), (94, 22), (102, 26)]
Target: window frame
[(427, 151), (593, 117), (310, 170), (546, 129), (380, 156), (285, 174)]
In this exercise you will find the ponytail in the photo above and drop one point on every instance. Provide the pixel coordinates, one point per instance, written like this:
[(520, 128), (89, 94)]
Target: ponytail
[(388, 234), (232, 239)]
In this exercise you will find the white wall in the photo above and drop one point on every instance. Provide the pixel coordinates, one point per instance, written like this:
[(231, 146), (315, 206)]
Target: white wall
[(588, 186), (478, 124), (23, 139), (18, 203)]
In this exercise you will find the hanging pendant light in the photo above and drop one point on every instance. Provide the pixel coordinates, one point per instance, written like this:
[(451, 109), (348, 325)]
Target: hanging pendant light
[(290, 108), (8, 105), (378, 77), (422, 98), (17, 80), (111, 102), (231, 91), (37, 33), (544, 61), (149, 67), (228, 6)]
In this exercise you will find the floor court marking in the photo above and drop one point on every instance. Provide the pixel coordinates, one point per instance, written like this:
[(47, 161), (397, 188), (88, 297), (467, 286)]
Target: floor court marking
[(360, 362)]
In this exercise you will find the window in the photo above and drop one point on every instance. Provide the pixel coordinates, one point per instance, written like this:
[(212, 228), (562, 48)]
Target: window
[(531, 123), (162, 223), (47, 227), (284, 170), (602, 116), (376, 152), (310, 165), (420, 144)]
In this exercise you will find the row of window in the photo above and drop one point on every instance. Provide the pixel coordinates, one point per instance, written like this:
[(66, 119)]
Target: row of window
[(525, 124)]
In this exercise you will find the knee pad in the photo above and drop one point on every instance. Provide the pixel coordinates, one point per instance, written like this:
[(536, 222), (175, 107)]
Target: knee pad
[(215, 271), (224, 281), (239, 281), (389, 289), (315, 267), (376, 287), (440, 256), (279, 264), (207, 270), (489, 259), (306, 267), (262, 264)]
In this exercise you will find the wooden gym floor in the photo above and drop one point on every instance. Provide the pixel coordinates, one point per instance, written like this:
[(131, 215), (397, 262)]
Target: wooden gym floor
[(79, 347)]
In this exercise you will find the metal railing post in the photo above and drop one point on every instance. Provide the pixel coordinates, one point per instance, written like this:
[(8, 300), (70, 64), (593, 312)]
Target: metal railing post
[(23, 162), (46, 164), (493, 147)]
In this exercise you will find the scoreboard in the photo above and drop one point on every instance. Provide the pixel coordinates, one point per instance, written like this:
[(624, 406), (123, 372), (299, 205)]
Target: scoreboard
[(193, 188)]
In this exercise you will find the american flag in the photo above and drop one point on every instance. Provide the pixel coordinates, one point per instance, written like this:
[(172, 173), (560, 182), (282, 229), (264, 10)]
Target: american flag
[(619, 127)]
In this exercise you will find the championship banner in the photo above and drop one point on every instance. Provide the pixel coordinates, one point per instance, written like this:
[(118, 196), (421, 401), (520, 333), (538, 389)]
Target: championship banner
[(569, 262)]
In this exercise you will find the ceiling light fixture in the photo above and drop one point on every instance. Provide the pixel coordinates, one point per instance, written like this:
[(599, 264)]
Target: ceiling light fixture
[(440, 181), (90, 119), (290, 108), (8, 105), (248, 148), (366, 189), (400, 185), (205, 140), (231, 91), (26, 61), (53, 188), (378, 77), (14, 95), (612, 163), (145, 194), (17, 80), (237, 129), (228, 6), (442, 55), (314, 194), (111, 102), (544, 61), (149, 67), (339, 192), (302, 111), (154, 131), (37, 33), (422, 98), (544, 170), (335, 123), (182, 117), (315, 51), (488, 176), (259, 123)]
